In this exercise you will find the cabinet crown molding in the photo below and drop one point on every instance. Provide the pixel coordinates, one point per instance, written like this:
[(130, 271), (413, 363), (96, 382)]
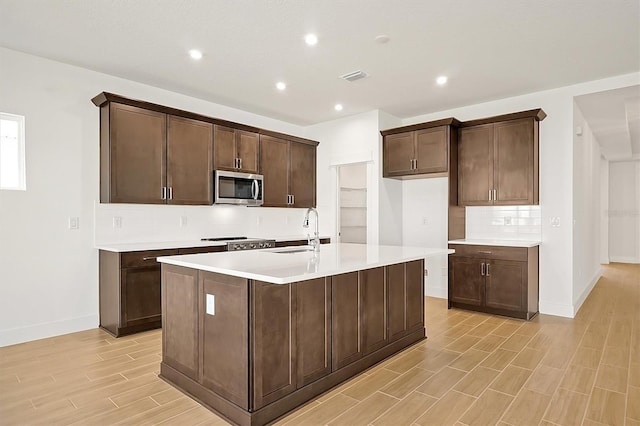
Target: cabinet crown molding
[(103, 98), (537, 114)]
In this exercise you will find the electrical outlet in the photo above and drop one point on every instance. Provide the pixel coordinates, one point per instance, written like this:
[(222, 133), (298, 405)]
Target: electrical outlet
[(426, 272), (554, 221), (74, 222), (425, 220), (117, 221), (507, 220), (183, 221)]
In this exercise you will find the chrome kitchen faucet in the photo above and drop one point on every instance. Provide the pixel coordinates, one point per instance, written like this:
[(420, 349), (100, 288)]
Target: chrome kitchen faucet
[(305, 224)]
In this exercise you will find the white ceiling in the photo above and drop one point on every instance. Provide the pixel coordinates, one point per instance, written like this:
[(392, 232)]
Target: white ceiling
[(489, 49), (614, 119)]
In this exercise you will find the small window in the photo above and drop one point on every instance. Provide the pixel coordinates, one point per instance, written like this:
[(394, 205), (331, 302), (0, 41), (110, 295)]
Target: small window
[(12, 167)]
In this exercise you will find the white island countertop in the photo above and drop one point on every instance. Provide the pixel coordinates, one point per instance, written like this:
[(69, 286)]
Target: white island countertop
[(283, 268), (503, 243)]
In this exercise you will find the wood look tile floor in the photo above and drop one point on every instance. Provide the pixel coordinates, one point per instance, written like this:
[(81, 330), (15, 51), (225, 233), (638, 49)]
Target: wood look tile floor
[(474, 369)]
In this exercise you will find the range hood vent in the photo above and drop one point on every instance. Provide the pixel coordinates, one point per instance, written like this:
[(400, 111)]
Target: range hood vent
[(355, 75)]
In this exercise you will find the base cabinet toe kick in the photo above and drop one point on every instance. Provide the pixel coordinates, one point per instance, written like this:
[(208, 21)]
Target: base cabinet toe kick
[(253, 351)]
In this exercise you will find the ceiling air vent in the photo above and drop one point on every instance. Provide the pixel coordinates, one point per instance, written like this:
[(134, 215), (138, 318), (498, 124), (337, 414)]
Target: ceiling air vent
[(355, 75)]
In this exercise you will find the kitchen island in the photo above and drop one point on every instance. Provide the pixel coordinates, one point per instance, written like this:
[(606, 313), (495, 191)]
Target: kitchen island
[(254, 334)]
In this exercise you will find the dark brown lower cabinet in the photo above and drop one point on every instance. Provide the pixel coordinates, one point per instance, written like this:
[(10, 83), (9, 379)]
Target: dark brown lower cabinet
[(406, 305), (274, 341), (499, 280), (252, 350), (129, 288)]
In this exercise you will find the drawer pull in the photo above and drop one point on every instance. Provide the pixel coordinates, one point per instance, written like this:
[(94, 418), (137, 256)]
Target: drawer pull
[(484, 251), (482, 269), (149, 258)]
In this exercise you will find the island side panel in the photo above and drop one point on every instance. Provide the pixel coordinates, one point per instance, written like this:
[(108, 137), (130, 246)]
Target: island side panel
[(274, 341), (224, 348), (313, 307), (414, 284), (180, 319)]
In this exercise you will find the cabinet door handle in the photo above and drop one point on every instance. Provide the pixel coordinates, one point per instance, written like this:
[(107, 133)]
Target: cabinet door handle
[(164, 193), (495, 197), (490, 192), (149, 258), (487, 273), (171, 192), (415, 164), (293, 199), (482, 266)]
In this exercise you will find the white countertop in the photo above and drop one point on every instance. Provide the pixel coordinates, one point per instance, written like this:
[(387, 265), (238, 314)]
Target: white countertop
[(505, 243), (166, 245), (284, 268)]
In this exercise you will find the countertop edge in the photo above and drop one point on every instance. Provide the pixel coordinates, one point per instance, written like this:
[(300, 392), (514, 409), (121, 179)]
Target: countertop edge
[(500, 243)]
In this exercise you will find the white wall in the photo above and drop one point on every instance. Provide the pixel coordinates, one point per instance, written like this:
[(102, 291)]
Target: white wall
[(556, 177), (604, 210), (48, 273), (586, 209), (425, 224), (624, 211)]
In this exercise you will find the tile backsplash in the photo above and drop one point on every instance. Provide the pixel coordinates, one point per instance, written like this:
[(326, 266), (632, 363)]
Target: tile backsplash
[(504, 223), (130, 223)]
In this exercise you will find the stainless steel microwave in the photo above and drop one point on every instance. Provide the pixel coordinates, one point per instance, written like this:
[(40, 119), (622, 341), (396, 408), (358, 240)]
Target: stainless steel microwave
[(237, 188)]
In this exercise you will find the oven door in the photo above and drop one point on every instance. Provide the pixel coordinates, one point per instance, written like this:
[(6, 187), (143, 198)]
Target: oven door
[(237, 188)]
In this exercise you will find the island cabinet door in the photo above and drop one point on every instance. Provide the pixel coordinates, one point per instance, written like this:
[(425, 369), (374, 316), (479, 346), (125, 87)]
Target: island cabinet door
[(313, 308), (373, 294), (406, 298), (345, 327), (224, 336), (274, 341)]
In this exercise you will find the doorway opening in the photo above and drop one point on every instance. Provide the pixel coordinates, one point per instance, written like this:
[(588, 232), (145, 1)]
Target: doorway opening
[(352, 203)]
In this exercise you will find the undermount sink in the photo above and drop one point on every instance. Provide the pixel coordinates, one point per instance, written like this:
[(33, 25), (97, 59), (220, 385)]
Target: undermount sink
[(294, 249)]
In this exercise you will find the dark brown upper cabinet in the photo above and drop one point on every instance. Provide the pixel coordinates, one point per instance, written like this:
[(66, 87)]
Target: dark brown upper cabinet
[(236, 150), (420, 150), (154, 154), (148, 157), (498, 160), (289, 170)]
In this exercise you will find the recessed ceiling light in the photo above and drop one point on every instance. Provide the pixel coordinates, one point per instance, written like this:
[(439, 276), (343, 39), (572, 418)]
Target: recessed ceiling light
[(338, 107), (281, 85), (311, 39), (442, 80), (195, 54)]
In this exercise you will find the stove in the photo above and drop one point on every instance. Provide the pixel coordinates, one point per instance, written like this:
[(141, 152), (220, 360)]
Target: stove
[(243, 243)]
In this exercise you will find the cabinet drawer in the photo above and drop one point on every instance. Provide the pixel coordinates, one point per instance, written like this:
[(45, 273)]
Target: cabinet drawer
[(143, 258), (490, 252)]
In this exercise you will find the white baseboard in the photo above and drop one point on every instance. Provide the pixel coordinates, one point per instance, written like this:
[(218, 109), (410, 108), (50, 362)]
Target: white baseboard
[(623, 259), (40, 331), (578, 303), (557, 309)]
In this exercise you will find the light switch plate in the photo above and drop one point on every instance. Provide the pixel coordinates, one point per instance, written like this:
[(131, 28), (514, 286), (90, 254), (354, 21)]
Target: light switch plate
[(74, 222), (117, 221), (211, 304)]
